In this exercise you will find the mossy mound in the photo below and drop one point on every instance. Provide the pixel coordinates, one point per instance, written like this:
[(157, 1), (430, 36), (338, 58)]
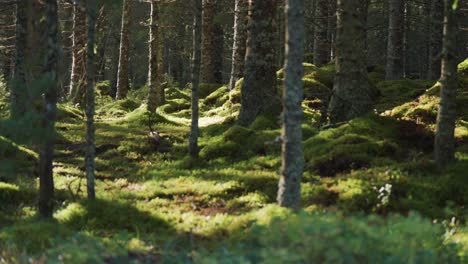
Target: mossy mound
[(206, 89), (176, 93), (239, 142), (103, 87), (68, 113), (363, 142), (217, 98), (394, 93), (14, 158), (118, 108), (175, 105)]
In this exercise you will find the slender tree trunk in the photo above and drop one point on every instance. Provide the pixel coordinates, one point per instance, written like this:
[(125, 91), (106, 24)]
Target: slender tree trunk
[(444, 146), (309, 17), (46, 180), (351, 94), (208, 49), (90, 74), (122, 74), (155, 93), (196, 60), (258, 93), (332, 27), (289, 189), (78, 68), (240, 39), (396, 26), (321, 45), (436, 35), (19, 92), (218, 53)]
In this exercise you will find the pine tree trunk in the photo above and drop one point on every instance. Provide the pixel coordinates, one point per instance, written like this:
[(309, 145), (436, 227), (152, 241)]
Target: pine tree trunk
[(351, 93), (78, 68), (321, 45), (46, 180), (196, 61), (258, 93), (122, 74), (218, 53), (90, 73), (19, 92), (435, 38), (239, 45), (155, 93), (396, 26), (289, 189), (207, 65), (444, 146)]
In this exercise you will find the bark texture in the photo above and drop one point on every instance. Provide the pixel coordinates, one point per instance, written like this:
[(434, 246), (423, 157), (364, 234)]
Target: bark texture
[(444, 147), (196, 61), (78, 68), (396, 26), (208, 42), (155, 92), (46, 180), (240, 40), (258, 93), (435, 39), (351, 93), (321, 44), (122, 73), (90, 75), (289, 189)]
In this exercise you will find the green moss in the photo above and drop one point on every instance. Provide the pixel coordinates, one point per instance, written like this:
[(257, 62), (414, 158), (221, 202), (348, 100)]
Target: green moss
[(68, 113), (206, 89), (264, 123), (176, 93), (118, 108), (175, 105), (393, 93), (218, 97), (103, 87)]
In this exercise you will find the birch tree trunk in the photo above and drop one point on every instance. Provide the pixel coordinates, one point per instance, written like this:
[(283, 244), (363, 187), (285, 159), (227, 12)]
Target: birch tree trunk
[(78, 68), (289, 189)]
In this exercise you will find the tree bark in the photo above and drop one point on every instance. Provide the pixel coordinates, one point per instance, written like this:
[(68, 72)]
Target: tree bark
[(435, 39), (240, 39), (396, 26), (122, 73), (321, 45), (444, 145), (351, 93), (154, 78), (258, 93), (289, 189), (46, 180), (90, 74), (196, 61), (331, 27), (208, 45), (78, 68)]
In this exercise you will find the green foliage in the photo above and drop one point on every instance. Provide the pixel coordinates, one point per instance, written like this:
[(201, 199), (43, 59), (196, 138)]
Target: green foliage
[(333, 239)]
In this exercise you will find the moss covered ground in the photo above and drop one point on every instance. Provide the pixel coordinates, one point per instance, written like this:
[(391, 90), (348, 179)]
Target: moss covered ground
[(368, 184)]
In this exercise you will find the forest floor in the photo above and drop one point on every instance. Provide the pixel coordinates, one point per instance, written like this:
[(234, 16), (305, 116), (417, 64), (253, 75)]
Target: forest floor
[(156, 204)]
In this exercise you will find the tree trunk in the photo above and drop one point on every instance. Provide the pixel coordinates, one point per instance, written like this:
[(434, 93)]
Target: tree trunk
[(155, 93), (435, 38), (289, 189), (351, 93), (46, 180), (90, 74), (196, 60), (309, 18), (396, 26), (78, 68), (321, 45), (239, 45), (258, 93), (218, 53), (332, 27), (207, 65), (444, 146), (122, 74), (19, 91)]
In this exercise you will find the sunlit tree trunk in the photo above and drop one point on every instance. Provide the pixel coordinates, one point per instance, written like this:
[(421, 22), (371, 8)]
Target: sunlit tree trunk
[(240, 39), (396, 26), (122, 73), (46, 180), (155, 91), (196, 60), (351, 93), (444, 147), (289, 189), (321, 45), (78, 68), (90, 75), (258, 93)]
